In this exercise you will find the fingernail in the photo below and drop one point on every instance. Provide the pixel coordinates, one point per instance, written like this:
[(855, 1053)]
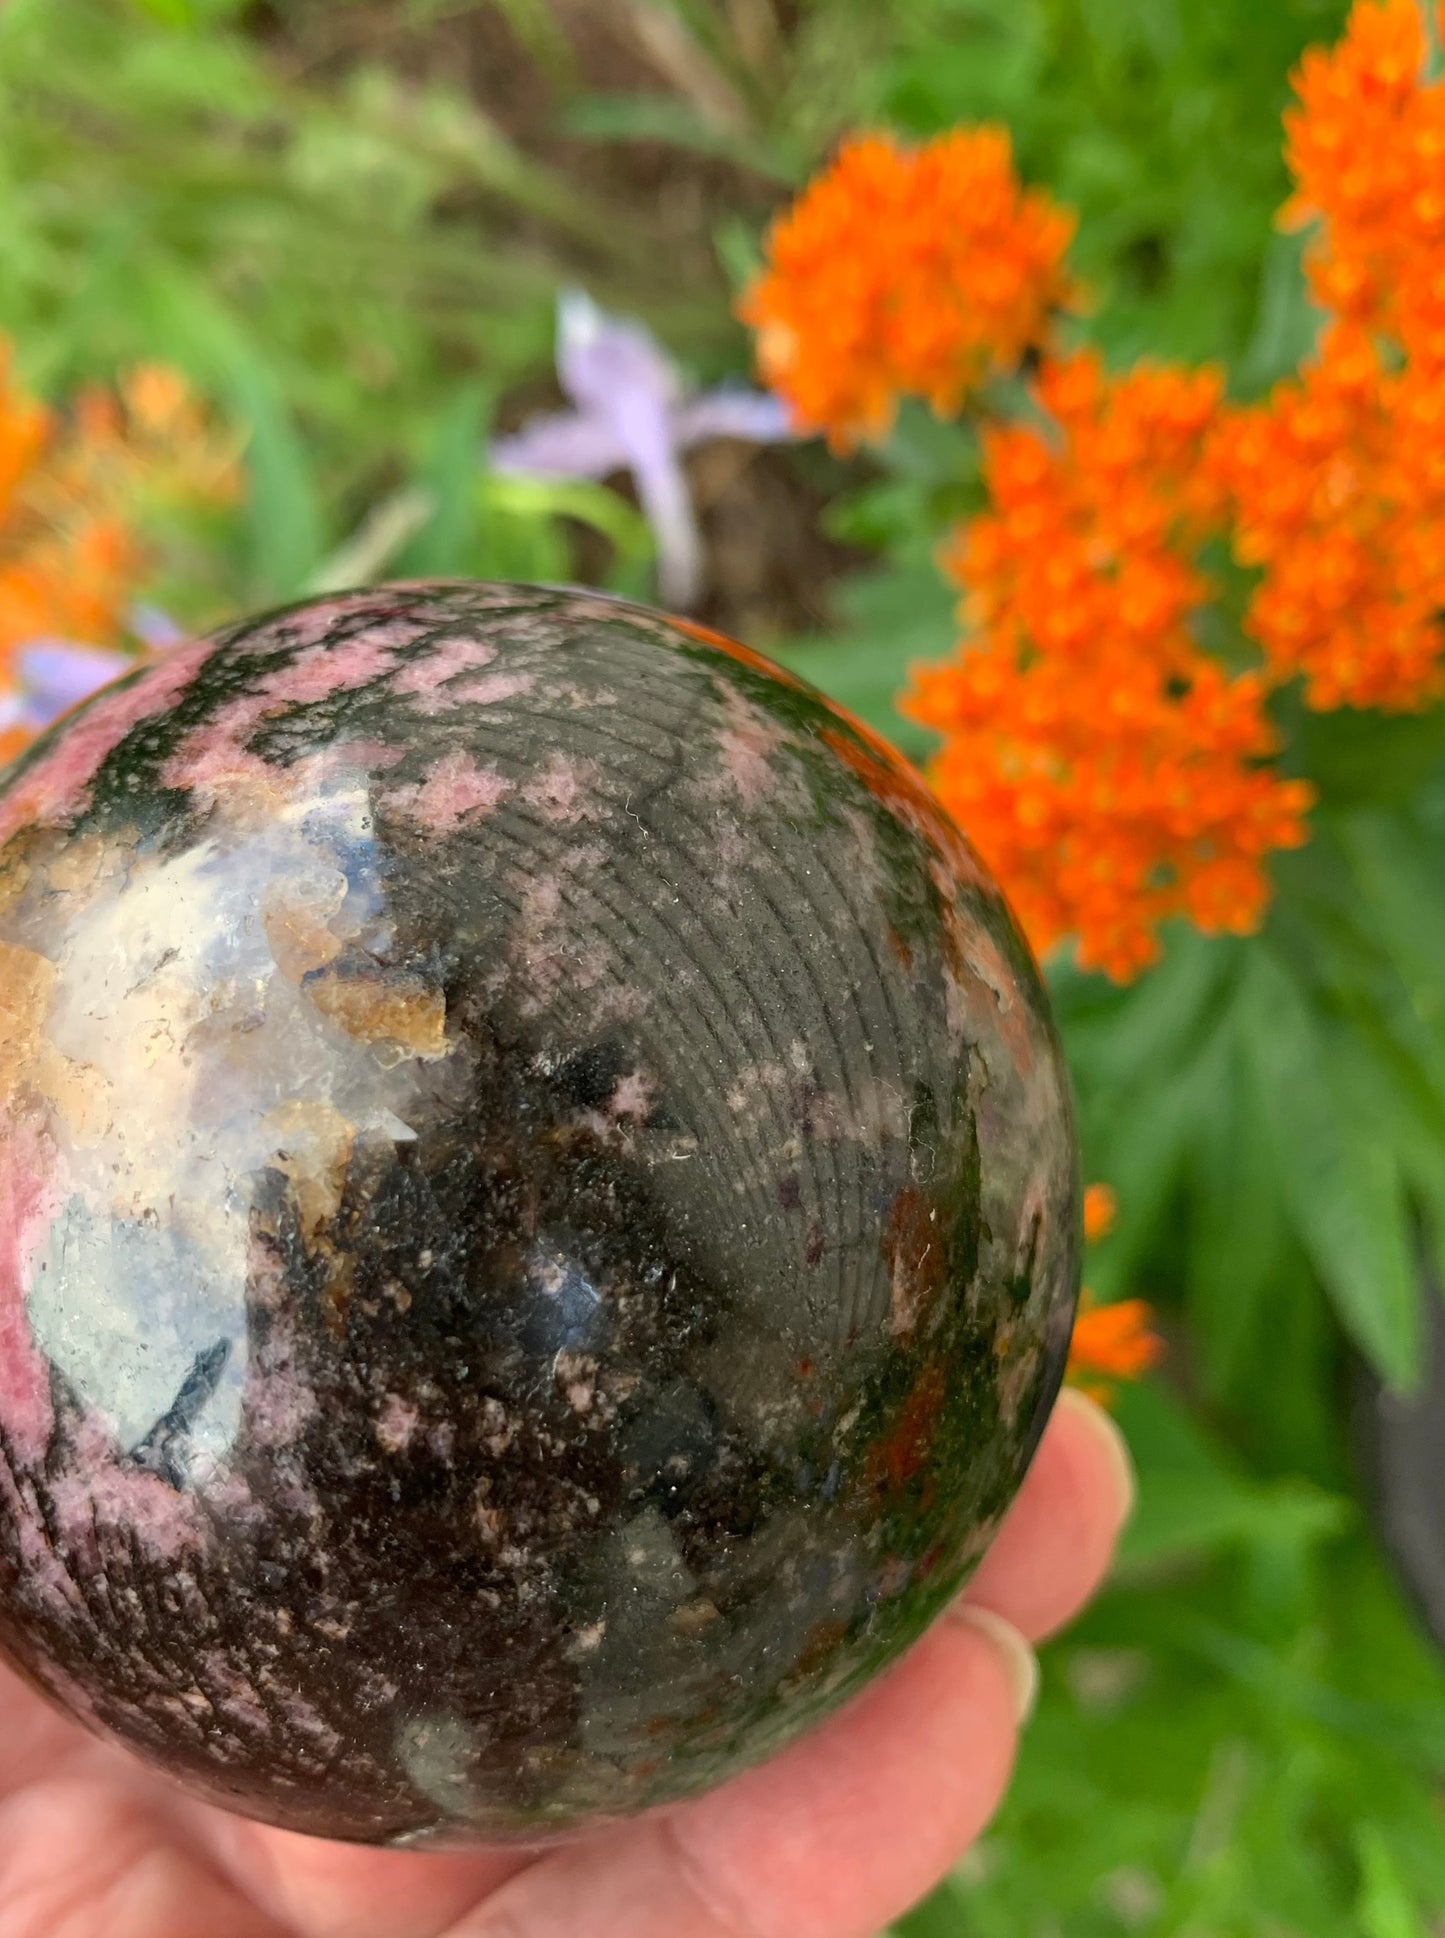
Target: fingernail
[(1110, 1441), (1017, 1659)]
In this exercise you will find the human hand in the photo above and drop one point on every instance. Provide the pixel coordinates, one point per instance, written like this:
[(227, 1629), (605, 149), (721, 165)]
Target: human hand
[(830, 1839)]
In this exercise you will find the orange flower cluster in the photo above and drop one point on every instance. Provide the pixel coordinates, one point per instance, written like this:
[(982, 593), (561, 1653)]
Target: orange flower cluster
[(1338, 484), (1110, 772), (1366, 146), (1338, 480), (905, 273), (74, 490), (1110, 1342), (1101, 1207), (66, 563)]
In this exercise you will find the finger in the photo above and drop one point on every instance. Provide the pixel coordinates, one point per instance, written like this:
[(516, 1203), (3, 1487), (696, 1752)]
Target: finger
[(36, 1739), (78, 1858), (831, 1839), (1058, 1539), (319, 1889)]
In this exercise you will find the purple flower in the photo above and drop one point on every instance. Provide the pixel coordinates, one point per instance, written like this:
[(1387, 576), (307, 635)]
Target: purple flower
[(155, 629), (52, 676), (633, 414)]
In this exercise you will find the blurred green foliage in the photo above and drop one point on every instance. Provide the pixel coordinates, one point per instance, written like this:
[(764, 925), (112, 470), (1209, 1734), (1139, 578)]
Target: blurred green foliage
[(350, 256)]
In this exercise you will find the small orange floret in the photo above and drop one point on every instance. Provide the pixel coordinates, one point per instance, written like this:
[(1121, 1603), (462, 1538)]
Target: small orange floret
[(1110, 772), (1101, 1207), (906, 272), (1112, 1342)]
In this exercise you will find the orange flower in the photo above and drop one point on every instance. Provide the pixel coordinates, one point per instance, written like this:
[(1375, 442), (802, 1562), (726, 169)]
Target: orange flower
[(72, 487), (1110, 773), (1338, 480), (1101, 1207), (1339, 485), (1365, 146), (24, 429), (64, 567), (1111, 1342), (906, 273)]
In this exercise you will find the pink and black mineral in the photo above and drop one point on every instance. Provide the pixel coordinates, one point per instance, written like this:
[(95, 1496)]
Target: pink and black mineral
[(538, 1212)]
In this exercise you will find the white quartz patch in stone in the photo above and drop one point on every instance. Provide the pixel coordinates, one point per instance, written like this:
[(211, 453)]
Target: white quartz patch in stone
[(153, 1303)]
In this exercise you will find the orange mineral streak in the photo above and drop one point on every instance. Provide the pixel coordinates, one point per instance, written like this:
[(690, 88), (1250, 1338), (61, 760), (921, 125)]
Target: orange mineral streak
[(1111, 1342), (906, 272), (1110, 772), (1338, 481)]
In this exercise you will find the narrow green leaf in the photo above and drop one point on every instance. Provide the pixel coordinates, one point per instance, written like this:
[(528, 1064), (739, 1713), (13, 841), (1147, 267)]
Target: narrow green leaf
[(382, 535), (1239, 1234), (286, 532), (1344, 1187), (1193, 1500), (446, 544), (589, 504), (675, 123), (1366, 758), (1385, 1906)]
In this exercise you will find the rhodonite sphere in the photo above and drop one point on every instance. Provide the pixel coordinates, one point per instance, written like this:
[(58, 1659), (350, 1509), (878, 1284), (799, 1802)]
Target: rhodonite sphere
[(539, 1211)]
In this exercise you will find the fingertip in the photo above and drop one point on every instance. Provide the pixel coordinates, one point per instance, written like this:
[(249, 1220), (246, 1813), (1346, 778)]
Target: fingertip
[(864, 1815), (1103, 1431), (834, 1837), (1057, 1541), (1015, 1655)]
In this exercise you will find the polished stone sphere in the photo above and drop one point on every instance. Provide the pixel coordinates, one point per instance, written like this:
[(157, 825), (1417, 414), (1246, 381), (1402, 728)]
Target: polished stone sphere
[(539, 1212)]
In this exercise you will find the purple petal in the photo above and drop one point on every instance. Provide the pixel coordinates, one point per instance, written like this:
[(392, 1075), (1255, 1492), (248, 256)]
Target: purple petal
[(55, 676), (629, 402), (621, 376), (603, 360), (732, 411), (667, 503), (569, 445), (155, 628), (644, 425)]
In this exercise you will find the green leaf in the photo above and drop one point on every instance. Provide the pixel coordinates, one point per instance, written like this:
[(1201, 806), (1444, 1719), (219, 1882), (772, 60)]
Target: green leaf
[(1239, 1238), (589, 504), (1123, 1038), (1358, 758), (941, 1915), (446, 545), (671, 121), (284, 502), (1344, 1187), (283, 510), (1194, 1501), (172, 13), (1399, 874), (891, 619), (377, 542), (1385, 1906), (1287, 322)]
